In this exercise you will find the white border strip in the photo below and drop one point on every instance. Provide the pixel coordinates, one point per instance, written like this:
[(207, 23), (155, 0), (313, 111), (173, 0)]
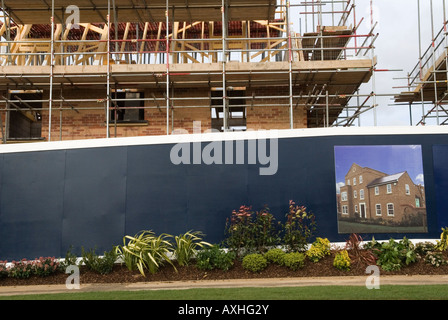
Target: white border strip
[(219, 136)]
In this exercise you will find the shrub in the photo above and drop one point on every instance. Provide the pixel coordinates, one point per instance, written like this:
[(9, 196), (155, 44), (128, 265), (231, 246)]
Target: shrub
[(342, 261), (24, 268), (101, 265), (214, 258), (299, 227), (70, 260), (145, 251), (186, 246), (20, 269), (3, 269), (45, 266), (357, 253), (422, 248), (319, 249), (89, 258), (435, 258), (239, 230), (294, 260), (389, 256), (275, 256), (392, 255), (255, 262), (249, 232), (265, 233)]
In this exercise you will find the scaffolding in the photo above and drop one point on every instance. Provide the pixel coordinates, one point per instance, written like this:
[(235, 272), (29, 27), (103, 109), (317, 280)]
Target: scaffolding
[(426, 86), (175, 51)]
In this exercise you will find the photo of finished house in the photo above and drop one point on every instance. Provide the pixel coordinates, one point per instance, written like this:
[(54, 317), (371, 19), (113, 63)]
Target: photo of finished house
[(380, 189)]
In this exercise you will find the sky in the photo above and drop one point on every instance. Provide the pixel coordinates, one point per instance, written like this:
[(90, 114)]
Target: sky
[(396, 49), (387, 159)]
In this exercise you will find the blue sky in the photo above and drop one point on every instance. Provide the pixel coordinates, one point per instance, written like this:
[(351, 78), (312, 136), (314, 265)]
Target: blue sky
[(396, 49), (387, 159)]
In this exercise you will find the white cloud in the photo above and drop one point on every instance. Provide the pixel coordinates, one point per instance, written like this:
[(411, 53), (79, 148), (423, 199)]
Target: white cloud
[(338, 186), (419, 179)]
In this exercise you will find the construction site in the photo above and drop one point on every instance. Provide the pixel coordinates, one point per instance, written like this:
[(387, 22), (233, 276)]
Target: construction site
[(122, 68), (125, 97)]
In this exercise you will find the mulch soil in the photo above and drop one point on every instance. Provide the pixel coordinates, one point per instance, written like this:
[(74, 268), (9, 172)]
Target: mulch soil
[(323, 268)]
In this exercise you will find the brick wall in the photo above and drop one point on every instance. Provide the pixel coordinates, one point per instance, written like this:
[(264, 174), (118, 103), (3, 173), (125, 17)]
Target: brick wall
[(85, 124), (91, 123), (271, 116)]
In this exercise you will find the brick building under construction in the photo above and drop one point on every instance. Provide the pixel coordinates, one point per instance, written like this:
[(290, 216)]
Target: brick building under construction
[(122, 68)]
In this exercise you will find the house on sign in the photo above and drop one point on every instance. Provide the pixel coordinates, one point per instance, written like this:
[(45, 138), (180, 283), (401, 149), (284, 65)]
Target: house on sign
[(372, 196)]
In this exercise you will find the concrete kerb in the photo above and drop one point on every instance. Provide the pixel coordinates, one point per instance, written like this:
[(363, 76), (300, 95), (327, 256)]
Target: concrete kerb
[(238, 283)]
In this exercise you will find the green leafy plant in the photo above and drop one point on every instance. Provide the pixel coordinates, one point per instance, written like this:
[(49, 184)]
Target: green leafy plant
[(101, 265), (254, 262), (319, 249), (265, 233), (70, 259), (3, 269), (239, 230), (294, 260), (393, 255), (187, 245), (389, 256), (145, 251), (342, 261), (89, 258), (299, 227), (215, 257), (275, 255)]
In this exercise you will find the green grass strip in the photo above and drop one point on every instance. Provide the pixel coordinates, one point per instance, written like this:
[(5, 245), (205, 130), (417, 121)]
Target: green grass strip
[(386, 292)]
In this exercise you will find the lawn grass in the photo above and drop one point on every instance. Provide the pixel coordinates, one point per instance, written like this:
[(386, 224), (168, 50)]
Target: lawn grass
[(350, 227), (386, 292)]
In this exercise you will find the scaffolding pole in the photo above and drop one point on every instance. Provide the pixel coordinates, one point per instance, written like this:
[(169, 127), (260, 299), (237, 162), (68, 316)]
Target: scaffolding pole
[(224, 62), (291, 114), (167, 21), (50, 104), (108, 72), (375, 116)]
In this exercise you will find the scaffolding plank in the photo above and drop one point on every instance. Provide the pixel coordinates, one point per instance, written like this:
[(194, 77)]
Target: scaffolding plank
[(350, 73), (335, 38), (433, 82)]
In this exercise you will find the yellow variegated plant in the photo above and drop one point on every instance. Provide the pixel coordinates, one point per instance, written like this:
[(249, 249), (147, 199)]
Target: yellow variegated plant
[(186, 246), (442, 245), (145, 251), (319, 248), (342, 260)]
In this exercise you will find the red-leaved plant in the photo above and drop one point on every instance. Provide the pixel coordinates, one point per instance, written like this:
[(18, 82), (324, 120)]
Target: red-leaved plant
[(44, 266), (357, 253), (248, 231)]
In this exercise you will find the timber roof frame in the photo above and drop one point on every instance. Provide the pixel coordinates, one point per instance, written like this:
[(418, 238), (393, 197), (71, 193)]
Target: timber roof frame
[(39, 12)]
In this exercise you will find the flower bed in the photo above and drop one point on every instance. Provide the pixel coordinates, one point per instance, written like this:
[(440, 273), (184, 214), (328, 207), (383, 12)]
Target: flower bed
[(256, 247)]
